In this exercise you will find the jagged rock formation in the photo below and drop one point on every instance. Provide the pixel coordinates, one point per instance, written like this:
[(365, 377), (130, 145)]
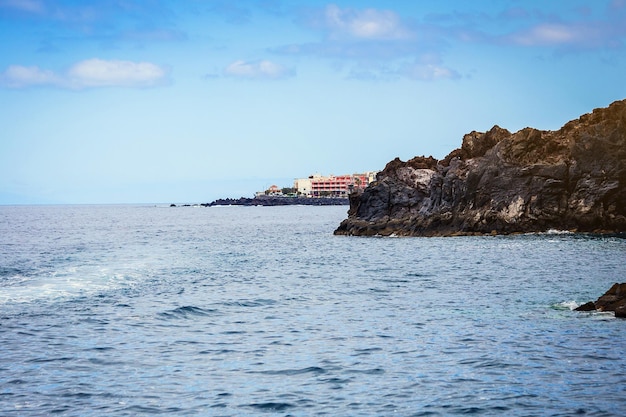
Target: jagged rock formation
[(612, 300), (500, 182)]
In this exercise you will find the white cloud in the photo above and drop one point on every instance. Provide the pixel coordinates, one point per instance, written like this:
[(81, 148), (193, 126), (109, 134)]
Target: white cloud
[(365, 24), (581, 30), (546, 34), (87, 74), (257, 70), (101, 73), (576, 36), (18, 76)]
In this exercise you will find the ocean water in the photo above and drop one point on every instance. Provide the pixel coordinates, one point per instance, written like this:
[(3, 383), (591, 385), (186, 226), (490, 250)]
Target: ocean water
[(247, 311)]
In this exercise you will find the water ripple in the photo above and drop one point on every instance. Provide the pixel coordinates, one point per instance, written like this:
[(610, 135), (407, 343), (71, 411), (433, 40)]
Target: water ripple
[(270, 407), (187, 312), (312, 369)]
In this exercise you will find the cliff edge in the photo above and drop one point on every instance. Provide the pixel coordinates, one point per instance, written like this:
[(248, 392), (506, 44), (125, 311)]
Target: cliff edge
[(500, 182)]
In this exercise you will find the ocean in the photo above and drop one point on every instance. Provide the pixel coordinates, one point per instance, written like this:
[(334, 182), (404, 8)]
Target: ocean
[(127, 310)]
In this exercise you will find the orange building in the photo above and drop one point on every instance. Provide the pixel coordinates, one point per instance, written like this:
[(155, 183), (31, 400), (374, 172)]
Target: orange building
[(274, 190), (335, 186)]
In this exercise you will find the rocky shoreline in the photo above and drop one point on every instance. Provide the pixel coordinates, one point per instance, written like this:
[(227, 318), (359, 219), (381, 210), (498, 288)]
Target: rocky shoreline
[(613, 300), (270, 201), (499, 182)]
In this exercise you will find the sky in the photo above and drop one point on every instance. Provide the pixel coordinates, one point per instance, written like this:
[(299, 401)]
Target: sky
[(158, 101)]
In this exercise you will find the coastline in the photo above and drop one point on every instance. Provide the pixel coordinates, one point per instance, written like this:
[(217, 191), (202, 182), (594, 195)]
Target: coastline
[(269, 201)]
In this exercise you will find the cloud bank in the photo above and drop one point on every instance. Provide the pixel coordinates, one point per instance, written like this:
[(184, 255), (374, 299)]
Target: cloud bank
[(571, 30), (90, 73), (381, 44), (373, 44), (359, 42), (573, 35)]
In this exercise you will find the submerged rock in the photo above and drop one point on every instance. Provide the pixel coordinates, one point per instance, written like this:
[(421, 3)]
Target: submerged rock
[(612, 300), (500, 182)]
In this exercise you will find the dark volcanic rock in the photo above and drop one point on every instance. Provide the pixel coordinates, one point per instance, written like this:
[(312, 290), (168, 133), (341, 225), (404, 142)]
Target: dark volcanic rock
[(612, 300), (590, 306), (615, 297), (500, 182), (279, 201)]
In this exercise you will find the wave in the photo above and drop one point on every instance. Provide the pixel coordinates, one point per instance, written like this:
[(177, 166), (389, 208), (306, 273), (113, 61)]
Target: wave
[(558, 232), (9, 272), (250, 303), (572, 305), (187, 312), (566, 305)]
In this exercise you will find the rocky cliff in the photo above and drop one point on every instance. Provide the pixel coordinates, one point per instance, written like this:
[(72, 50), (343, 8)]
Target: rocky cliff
[(500, 182)]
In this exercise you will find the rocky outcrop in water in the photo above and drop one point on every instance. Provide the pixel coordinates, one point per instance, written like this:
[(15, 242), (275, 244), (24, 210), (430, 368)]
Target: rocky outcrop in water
[(500, 182), (612, 300)]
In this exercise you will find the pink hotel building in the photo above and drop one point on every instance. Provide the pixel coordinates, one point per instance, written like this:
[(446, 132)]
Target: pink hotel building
[(335, 186)]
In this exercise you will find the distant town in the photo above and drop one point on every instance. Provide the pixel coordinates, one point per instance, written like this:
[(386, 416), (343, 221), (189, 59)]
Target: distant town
[(317, 185), (315, 190)]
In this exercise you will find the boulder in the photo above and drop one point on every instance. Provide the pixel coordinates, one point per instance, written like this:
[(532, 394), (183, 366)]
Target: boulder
[(589, 306), (615, 297), (500, 182), (612, 300)]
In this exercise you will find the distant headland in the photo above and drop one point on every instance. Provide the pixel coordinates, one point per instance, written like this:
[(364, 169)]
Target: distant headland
[(499, 182), (270, 201), (315, 190)]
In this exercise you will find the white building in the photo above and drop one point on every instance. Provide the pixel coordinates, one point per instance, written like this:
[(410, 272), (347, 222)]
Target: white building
[(303, 185)]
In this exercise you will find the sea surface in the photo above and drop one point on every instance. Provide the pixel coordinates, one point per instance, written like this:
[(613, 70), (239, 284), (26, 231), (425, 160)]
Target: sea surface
[(254, 311)]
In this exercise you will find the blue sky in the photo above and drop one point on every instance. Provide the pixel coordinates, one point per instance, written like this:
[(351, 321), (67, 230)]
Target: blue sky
[(130, 101)]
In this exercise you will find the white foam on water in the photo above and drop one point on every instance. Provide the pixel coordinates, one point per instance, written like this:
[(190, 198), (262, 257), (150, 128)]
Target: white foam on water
[(67, 283), (558, 232), (567, 305)]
